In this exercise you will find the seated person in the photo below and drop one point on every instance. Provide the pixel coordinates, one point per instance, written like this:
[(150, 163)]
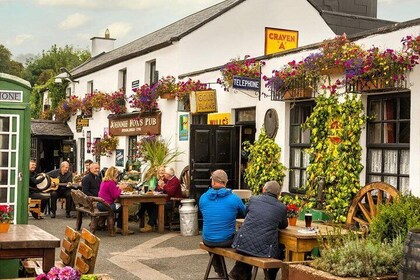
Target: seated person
[(220, 208), (92, 181), (258, 235), (110, 192), (171, 187), (34, 192), (65, 177)]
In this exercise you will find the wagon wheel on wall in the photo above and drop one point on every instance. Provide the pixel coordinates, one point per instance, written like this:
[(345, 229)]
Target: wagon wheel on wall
[(366, 201), (185, 180)]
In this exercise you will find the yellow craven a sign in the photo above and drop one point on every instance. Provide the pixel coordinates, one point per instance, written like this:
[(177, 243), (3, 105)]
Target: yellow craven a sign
[(203, 101), (218, 118), (279, 40)]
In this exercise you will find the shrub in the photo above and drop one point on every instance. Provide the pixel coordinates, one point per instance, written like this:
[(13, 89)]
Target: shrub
[(396, 219), (355, 256)]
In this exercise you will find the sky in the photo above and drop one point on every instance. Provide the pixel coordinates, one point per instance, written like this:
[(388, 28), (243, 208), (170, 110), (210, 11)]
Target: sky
[(30, 26)]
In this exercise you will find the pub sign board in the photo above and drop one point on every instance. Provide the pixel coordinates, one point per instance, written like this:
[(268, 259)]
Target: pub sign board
[(246, 83), (80, 123), (203, 101), (135, 124), (280, 40)]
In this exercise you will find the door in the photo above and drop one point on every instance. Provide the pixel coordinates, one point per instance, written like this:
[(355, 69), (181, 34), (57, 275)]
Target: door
[(11, 162), (213, 147)]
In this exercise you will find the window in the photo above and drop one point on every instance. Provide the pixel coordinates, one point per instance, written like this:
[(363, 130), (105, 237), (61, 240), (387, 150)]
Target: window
[(90, 87), (299, 141), (152, 75), (132, 147), (199, 118), (388, 140), (122, 79)]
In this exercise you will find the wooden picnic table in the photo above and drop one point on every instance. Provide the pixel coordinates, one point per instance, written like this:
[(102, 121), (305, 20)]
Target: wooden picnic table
[(297, 241), (29, 241), (131, 199)]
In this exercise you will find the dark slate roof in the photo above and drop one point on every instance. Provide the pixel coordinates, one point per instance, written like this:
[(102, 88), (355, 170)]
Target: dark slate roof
[(349, 23), (50, 128), (156, 40), (338, 22)]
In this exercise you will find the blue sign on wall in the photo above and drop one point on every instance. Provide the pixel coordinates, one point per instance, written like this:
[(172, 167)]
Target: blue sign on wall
[(246, 83)]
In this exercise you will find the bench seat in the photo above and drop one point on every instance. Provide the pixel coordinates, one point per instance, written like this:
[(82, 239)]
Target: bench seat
[(256, 262)]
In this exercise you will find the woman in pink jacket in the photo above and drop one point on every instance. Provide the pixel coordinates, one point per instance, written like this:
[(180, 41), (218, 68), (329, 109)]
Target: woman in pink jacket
[(110, 192)]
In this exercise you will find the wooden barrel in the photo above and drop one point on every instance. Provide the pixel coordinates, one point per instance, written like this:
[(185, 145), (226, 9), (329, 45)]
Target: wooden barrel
[(410, 265)]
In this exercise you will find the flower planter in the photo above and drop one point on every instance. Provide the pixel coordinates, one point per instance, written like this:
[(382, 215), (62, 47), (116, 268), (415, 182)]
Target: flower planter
[(292, 221), (298, 93), (379, 84), (167, 96), (293, 271), (332, 70), (4, 227)]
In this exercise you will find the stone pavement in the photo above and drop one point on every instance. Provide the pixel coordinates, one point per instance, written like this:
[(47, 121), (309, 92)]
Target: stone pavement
[(145, 256)]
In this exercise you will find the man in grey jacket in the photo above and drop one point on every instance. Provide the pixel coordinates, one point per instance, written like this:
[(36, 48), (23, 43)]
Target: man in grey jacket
[(258, 235)]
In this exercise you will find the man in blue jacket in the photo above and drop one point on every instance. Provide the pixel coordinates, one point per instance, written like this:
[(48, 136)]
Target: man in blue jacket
[(258, 235), (219, 207)]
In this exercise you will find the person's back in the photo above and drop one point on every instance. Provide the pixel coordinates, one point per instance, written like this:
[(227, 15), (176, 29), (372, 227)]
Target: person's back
[(219, 208)]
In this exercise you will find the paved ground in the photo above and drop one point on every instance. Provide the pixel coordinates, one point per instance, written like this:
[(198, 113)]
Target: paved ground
[(145, 256)]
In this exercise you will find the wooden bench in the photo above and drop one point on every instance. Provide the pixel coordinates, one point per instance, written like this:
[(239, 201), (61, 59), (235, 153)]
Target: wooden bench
[(256, 262), (87, 204), (87, 252)]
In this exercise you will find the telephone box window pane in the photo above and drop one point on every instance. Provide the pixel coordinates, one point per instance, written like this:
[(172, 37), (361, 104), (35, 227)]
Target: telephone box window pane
[(12, 177), (4, 141), (3, 195), (3, 177), (14, 142), (11, 194), (4, 159), (4, 124)]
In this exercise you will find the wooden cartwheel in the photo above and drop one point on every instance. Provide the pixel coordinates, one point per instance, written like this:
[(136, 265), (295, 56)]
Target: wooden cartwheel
[(366, 201)]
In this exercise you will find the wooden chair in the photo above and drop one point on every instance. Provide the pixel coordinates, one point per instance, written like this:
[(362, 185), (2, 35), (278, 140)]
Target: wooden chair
[(87, 204), (87, 252), (173, 214), (34, 206), (68, 252)]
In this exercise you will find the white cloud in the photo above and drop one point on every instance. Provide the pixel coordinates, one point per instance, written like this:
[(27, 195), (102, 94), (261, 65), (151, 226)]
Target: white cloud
[(73, 3), (19, 40), (73, 21), (117, 29)]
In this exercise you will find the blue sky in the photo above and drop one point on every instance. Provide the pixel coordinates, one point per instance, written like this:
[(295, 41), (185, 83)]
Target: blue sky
[(30, 26)]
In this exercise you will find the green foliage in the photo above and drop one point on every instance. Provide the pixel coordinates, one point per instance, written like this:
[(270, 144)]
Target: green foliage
[(7, 65), (155, 152), (57, 93), (264, 163), (335, 152), (355, 256), (396, 219)]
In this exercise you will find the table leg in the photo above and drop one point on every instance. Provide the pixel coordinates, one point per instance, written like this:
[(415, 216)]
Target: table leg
[(125, 219), (48, 259), (161, 218)]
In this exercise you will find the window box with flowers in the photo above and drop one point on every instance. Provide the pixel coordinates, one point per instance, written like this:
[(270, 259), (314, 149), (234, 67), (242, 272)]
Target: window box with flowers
[(248, 67), (67, 108), (166, 88), (184, 90), (5, 217), (105, 146), (144, 99), (116, 102)]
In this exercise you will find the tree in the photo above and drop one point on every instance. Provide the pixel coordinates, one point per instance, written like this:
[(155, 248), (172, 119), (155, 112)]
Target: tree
[(7, 65)]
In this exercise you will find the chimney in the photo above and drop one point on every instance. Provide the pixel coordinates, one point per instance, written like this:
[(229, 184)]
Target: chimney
[(102, 44)]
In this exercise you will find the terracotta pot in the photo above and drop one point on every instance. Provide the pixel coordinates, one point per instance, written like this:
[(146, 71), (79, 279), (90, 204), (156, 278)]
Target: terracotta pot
[(298, 93), (167, 96), (292, 221), (4, 227), (304, 272)]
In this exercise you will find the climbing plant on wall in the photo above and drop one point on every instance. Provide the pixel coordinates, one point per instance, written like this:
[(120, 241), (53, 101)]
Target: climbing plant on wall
[(335, 153)]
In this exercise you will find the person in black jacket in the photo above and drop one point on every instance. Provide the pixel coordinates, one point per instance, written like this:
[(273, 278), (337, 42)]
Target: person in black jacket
[(92, 181), (258, 235), (63, 191)]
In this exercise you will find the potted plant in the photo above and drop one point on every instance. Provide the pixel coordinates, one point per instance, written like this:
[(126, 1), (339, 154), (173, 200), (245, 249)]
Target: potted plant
[(185, 88), (247, 67), (292, 214), (144, 98), (115, 102), (263, 163), (67, 108), (5, 217), (166, 88), (65, 273), (105, 146)]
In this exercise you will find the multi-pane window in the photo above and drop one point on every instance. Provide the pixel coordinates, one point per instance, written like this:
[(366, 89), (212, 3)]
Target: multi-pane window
[(132, 146), (388, 140), (299, 141), (122, 79)]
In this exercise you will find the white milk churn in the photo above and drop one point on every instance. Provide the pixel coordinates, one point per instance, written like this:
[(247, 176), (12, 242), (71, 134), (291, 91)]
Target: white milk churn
[(188, 214)]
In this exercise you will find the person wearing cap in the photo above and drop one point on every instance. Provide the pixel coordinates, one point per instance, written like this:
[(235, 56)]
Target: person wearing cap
[(220, 208), (258, 235)]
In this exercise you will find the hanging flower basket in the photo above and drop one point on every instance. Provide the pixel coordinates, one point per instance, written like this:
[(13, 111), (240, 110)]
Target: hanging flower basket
[(332, 70), (167, 95), (298, 93)]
